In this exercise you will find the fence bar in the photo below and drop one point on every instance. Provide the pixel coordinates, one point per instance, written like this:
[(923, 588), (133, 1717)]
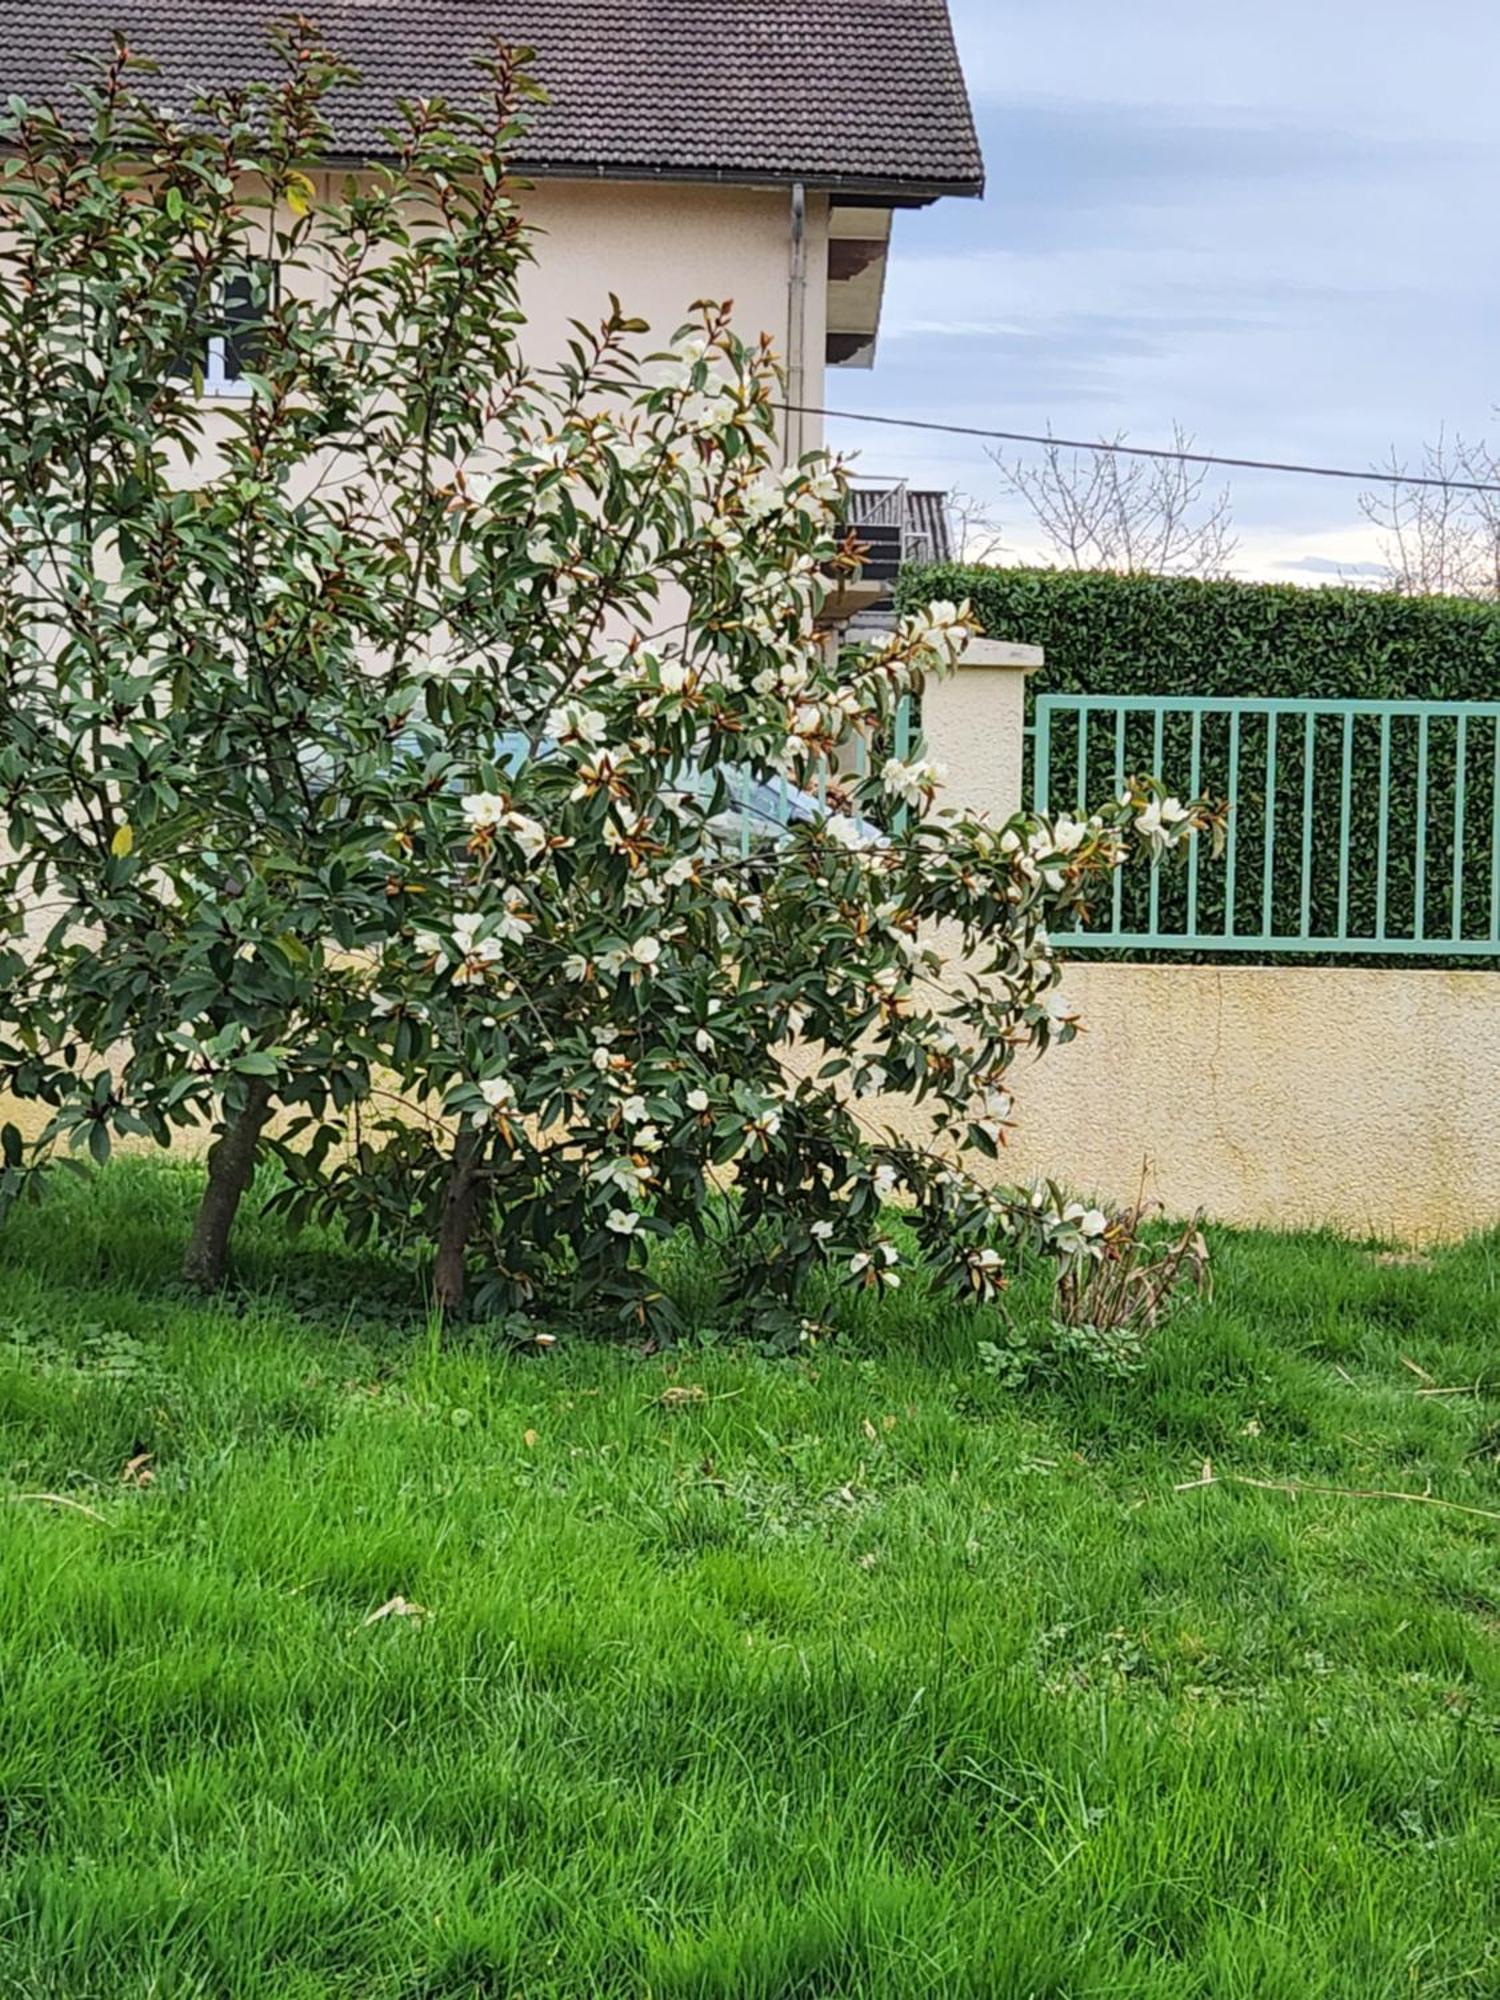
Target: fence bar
[(1195, 782), (1267, 885), (1419, 907), (1117, 887), (1346, 788), (1234, 816), (1383, 856), (1042, 757), (1460, 781), (1156, 749), (903, 751), (1083, 763), (1495, 840), (1396, 947), (1309, 749)]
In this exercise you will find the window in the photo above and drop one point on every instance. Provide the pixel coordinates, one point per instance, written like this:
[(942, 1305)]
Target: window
[(233, 340)]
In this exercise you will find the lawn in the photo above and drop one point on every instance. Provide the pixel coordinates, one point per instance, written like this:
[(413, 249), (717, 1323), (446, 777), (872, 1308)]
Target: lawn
[(856, 1674)]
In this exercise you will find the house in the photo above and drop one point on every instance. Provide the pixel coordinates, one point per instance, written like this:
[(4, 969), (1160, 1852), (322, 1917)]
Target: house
[(754, 150)]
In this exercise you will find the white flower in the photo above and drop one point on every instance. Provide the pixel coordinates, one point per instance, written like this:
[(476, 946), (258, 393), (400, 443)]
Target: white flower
[(710, 413), (1068, 835), (646, 951), (622, 1174), (1093, 1222), (646, 1139), (623, 1221), (601, 1060), (528, 834), (484, 810), (514, 920), (1149, 821), (576, 722), (499, 1093), (575, 967), (850, 833), (475, 954), (633, 1110), (1159, 819), (697, 1100), (942, 630), (884, 1182), (912, 783), (1060, 1010), (822, 1231)]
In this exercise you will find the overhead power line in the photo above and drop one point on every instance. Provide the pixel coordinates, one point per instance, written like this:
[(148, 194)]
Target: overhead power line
[(1393, 476)]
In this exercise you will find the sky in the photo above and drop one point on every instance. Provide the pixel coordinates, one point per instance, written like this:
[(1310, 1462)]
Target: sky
[(1274, 225)]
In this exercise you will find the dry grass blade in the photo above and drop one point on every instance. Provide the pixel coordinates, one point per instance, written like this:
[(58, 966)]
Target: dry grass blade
[(1296, 1487), (60, 1500), (395, 1607)]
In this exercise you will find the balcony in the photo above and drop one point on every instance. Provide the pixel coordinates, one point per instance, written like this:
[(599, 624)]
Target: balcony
[(894, 524)]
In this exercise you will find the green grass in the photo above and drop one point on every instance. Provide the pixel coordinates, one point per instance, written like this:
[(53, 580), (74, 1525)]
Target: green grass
[(858, 1676)]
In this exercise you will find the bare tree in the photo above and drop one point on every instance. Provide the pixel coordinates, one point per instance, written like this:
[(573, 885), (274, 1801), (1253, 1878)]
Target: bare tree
[(1105, 510), (1439, 540), (978, 535)]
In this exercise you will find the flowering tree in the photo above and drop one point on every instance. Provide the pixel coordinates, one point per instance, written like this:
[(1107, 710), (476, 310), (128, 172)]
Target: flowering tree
[(380, 746), (207, 602)]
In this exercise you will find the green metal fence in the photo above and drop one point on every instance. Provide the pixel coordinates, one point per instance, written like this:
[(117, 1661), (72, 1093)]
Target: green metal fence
[(1354, 827)]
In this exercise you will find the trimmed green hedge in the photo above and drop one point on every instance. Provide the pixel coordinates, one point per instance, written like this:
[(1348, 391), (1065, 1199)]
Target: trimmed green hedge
[(1143, 635), (1107, 634)]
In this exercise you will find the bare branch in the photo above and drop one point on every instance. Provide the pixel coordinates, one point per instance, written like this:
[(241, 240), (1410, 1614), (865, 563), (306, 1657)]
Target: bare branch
[(1434, 540), (1097, 510)]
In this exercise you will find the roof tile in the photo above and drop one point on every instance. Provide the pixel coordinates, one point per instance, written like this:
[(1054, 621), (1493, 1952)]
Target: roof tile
[(864, 94)]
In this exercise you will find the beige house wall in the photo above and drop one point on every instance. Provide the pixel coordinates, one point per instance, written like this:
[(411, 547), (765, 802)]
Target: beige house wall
[(659, 246)]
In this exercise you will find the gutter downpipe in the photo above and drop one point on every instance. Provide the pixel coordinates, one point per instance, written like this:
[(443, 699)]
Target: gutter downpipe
[(796, 327)]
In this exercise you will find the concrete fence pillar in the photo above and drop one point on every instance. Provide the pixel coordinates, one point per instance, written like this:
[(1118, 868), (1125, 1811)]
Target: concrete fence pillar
[(974, 723)]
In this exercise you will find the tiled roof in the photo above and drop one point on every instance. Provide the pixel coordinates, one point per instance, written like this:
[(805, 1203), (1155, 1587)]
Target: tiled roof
[(859, 94)]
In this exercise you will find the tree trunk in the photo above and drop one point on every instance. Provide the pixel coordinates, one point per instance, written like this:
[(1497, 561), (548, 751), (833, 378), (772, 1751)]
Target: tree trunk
[(448, 1273), (231, 1168)]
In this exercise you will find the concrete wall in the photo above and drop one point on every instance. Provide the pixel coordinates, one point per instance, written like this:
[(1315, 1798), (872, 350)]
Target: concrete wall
[(1285, 1095)]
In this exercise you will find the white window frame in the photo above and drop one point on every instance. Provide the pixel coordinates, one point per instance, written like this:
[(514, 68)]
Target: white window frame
[(217, 382)]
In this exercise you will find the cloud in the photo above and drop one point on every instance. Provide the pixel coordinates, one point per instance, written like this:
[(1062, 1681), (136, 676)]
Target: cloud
[(1072, 172), (1326, 566), (1257, 223)]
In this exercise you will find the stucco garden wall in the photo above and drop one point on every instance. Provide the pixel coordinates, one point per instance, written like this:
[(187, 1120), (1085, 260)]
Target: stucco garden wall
[(1285, 1095)]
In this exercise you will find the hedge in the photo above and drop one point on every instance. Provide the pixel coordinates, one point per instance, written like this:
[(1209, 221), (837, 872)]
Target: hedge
[(1111, 634)]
